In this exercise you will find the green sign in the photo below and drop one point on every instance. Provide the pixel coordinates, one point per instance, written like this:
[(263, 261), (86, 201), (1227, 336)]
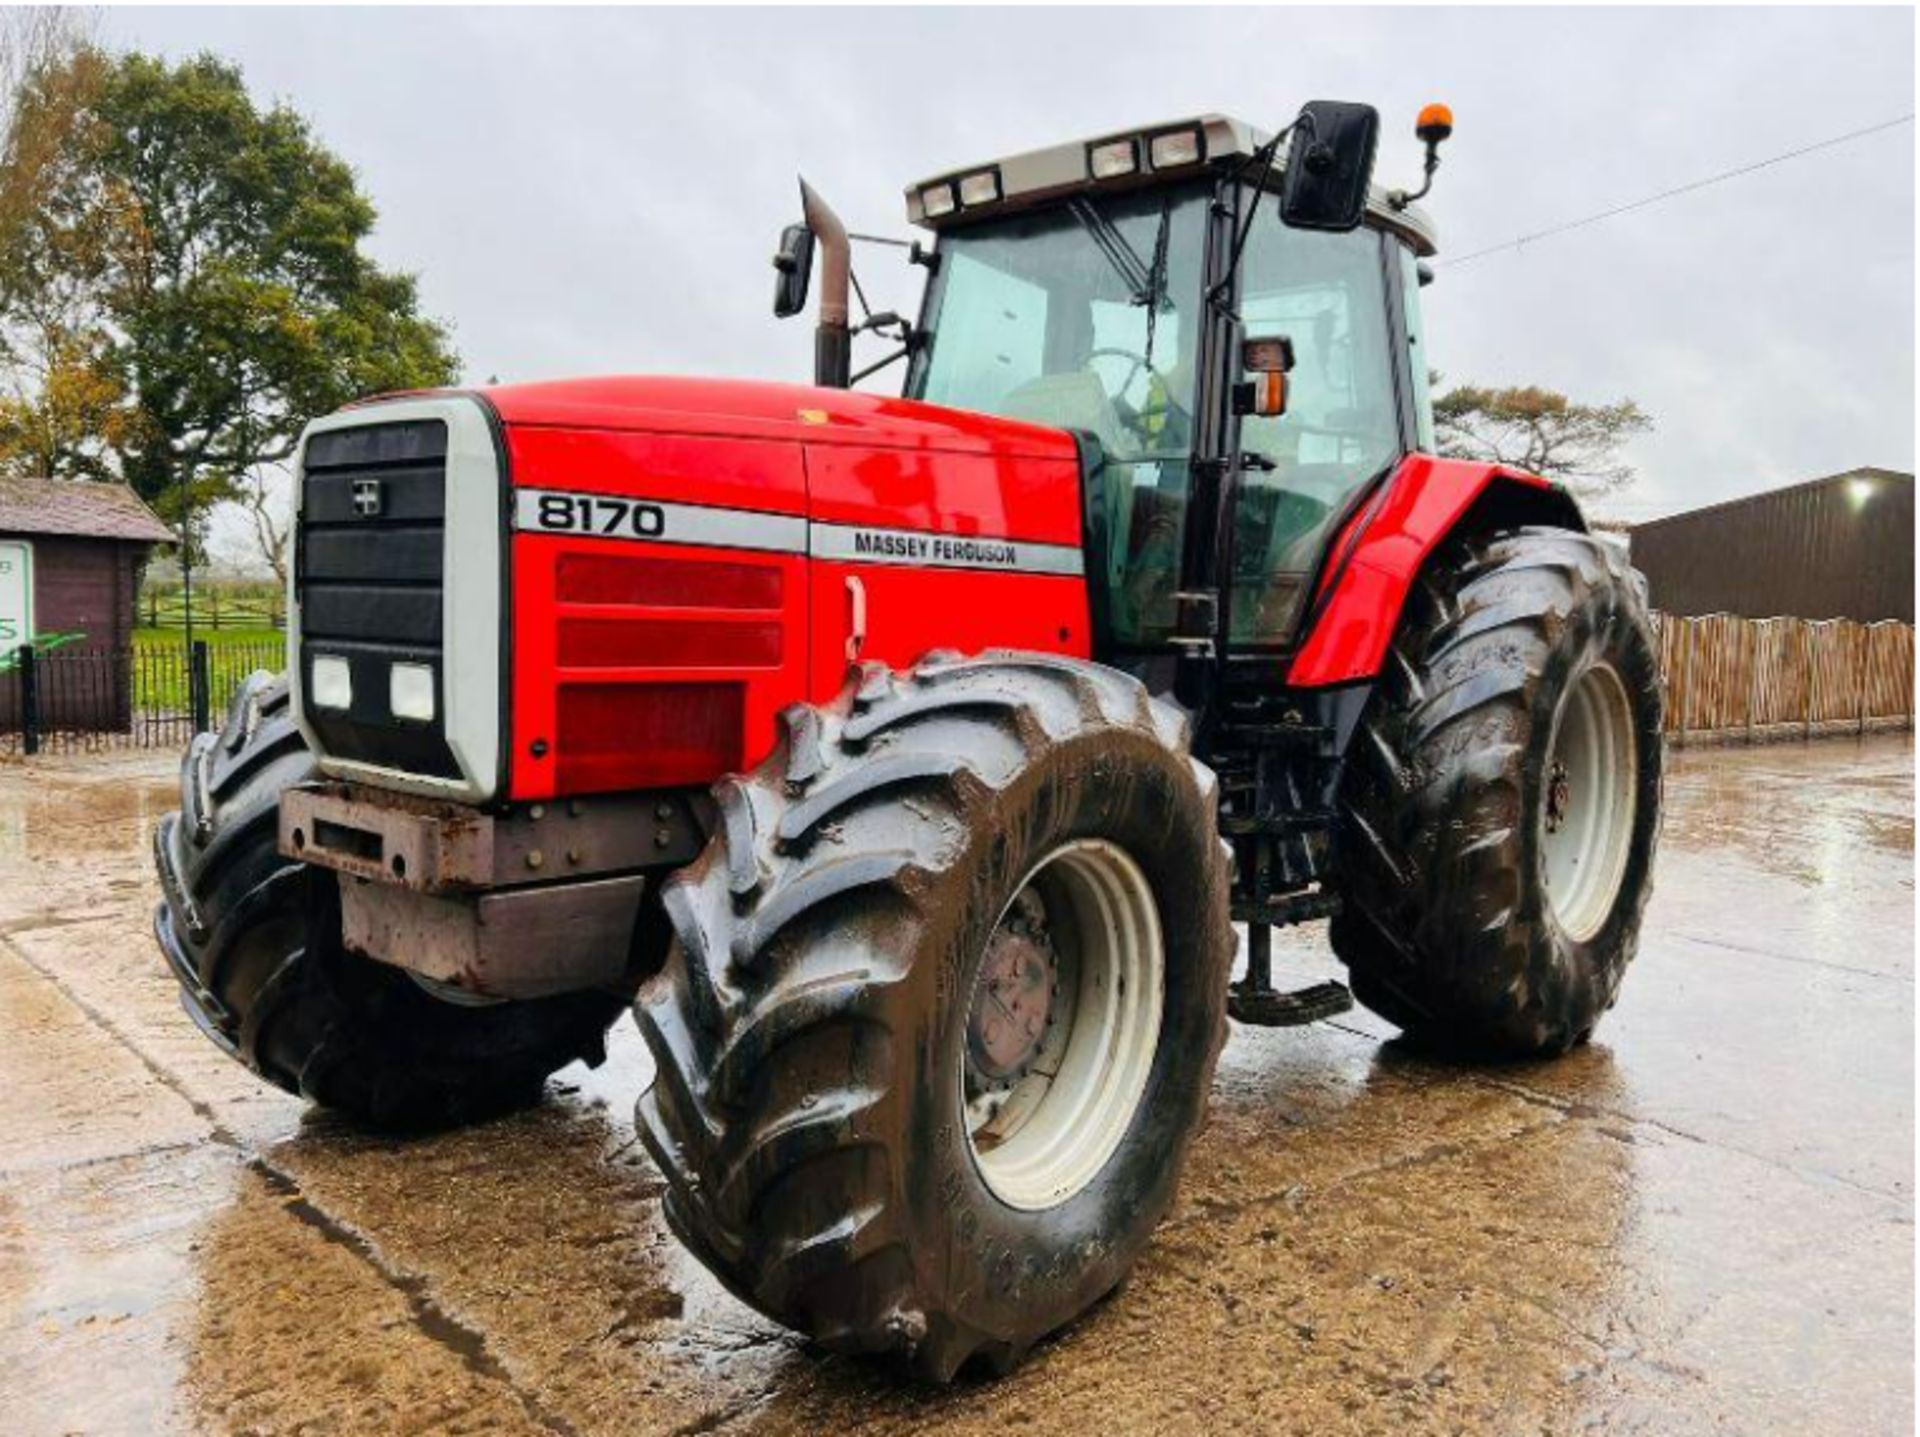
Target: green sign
[(16, 593)]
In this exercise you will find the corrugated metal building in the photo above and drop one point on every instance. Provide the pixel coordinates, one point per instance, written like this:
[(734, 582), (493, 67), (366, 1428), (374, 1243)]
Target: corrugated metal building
[(1834, 548)]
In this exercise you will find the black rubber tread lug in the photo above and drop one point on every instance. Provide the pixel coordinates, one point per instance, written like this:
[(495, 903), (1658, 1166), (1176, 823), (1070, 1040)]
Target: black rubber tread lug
[(896, 869), (796, 1263), (800, 729), (743, 839), (878, 718), (859, 782), (770, 1026)]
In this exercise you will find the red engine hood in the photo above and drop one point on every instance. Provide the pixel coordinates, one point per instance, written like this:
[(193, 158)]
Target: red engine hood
[(762, 410)]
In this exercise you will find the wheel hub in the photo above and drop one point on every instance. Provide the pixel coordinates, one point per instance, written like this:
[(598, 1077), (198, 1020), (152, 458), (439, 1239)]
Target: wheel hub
[(1063, 1024), (1014, 999)]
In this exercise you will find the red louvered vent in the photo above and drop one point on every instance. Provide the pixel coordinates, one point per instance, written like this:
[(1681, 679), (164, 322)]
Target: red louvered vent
[(668, 644), (666, 583), (620, 736)]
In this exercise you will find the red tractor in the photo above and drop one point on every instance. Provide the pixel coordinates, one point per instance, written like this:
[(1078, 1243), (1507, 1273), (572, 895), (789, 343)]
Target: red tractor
[(905, 764)]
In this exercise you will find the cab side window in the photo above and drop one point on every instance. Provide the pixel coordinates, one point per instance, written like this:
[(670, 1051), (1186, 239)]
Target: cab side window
[(1419, 364), (1327, 293)]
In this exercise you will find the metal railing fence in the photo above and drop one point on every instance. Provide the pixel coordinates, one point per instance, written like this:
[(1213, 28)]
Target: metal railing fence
[(145, 696)]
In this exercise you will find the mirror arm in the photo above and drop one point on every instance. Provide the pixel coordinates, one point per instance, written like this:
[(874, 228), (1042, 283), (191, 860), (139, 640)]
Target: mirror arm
[(916, 253), (1262, 160), (901, 353)]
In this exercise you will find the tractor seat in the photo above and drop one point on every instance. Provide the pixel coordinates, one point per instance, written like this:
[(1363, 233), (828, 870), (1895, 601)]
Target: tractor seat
[(1075, 400)]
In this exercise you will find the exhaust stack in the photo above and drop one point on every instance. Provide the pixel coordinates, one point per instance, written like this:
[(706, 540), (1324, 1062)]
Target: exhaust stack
[(832, 341)]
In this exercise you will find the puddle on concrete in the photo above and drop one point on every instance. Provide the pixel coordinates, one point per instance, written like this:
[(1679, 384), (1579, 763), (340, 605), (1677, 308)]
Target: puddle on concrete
[(1702, 1222)]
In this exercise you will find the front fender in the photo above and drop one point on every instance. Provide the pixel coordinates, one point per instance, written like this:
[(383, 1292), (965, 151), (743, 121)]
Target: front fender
[(1379, 554)]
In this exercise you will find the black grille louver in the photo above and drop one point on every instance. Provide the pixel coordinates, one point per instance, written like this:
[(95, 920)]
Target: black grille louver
[(368, 571)]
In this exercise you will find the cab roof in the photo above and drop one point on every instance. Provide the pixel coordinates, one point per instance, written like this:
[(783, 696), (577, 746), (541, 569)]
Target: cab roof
[(1037, 175)]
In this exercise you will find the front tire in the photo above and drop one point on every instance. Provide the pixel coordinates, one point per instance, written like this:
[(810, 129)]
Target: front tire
[(1501, 799), (855, 1067), (254, 940)]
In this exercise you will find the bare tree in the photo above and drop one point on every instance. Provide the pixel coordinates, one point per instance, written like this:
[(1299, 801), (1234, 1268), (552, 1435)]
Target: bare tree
[(33, 37), (1541, 432), (263, 499)]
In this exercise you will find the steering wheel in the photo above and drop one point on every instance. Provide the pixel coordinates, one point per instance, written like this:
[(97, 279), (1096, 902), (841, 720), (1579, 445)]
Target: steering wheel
[(1125, 412)]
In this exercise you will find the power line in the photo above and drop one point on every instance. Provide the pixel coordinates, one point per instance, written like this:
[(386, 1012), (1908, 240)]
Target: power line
[(1527, 239)]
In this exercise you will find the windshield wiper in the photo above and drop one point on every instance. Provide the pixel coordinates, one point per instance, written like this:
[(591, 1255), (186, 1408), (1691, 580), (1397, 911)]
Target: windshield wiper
[(1157, 276), (1139, 280)]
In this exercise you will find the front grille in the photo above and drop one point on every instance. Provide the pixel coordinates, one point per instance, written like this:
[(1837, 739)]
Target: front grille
[(368, 572)]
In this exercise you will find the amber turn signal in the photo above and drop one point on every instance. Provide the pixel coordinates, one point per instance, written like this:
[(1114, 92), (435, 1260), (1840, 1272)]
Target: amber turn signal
[(1268, 395)]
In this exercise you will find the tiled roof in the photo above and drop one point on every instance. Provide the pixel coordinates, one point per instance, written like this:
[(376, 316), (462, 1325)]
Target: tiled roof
[(80, 507)]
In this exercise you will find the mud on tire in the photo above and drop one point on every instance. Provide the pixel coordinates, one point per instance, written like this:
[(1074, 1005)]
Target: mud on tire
[(807, 1110), (1448, 925), (253, 939)]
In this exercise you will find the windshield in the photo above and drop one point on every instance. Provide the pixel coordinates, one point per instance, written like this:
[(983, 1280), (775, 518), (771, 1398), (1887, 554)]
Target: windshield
[(1086, 317)]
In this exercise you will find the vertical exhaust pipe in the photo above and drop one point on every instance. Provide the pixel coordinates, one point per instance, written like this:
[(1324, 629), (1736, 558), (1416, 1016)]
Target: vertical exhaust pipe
[(832, 341)]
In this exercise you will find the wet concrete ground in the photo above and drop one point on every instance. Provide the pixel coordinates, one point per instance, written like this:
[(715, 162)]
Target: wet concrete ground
[(1704, 1222)]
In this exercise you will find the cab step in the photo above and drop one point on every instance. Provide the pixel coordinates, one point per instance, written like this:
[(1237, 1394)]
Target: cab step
[(1266, 734), (1309, 820), (1286, 909), (1270, 1008)]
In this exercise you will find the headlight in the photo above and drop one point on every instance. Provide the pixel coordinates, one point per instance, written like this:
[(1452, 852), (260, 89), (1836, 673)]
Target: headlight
[(410, 692), (332, 682), (1173, 149), (937, 200), (980, 189), (1116, 157)]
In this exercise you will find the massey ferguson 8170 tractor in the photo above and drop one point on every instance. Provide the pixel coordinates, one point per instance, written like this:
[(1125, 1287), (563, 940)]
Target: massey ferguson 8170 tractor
[(905, 763)]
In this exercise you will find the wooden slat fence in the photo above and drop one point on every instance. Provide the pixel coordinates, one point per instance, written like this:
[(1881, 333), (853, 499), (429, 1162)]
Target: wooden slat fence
[(1731, 678)]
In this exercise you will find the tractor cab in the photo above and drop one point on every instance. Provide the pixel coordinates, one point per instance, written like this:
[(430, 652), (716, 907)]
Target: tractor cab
[(1093, 287)]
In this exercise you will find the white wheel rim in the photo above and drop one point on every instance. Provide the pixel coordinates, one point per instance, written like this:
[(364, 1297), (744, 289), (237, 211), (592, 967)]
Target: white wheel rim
[(1587, 808), (1046, 1136)]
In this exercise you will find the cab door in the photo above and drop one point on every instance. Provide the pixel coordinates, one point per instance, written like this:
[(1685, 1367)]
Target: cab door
[(1336, 297)]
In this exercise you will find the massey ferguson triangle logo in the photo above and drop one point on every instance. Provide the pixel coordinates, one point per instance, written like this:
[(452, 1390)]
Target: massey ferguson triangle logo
[(366, 498)]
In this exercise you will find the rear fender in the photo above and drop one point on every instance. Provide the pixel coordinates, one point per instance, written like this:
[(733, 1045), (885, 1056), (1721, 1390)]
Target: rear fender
[(1380, 553)]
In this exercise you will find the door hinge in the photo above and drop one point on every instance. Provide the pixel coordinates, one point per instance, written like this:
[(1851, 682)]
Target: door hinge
[(1196, 618), (1219, 467)]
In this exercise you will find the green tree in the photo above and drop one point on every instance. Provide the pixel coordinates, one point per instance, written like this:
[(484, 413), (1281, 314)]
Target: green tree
[(1542, 432), (226, 291)]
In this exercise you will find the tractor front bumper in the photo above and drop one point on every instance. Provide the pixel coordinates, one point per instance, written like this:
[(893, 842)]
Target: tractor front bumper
[(528, 902)]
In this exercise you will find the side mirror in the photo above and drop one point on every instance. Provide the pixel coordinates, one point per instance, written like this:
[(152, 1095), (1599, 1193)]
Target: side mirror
[(793, 265), (1268, 359), (1329, 165)]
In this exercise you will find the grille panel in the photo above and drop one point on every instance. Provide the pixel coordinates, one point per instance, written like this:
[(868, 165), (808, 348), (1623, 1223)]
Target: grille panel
[(369, 571)]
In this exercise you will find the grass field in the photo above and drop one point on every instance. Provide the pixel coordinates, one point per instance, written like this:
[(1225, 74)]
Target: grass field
[(172, 638)]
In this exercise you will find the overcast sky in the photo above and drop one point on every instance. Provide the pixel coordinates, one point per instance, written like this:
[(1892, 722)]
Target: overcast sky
[(598, 191)]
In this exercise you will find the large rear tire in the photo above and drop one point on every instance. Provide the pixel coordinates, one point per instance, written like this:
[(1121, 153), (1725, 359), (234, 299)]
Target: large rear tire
[(943, 1008), (1501, 799), (254, 940)]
